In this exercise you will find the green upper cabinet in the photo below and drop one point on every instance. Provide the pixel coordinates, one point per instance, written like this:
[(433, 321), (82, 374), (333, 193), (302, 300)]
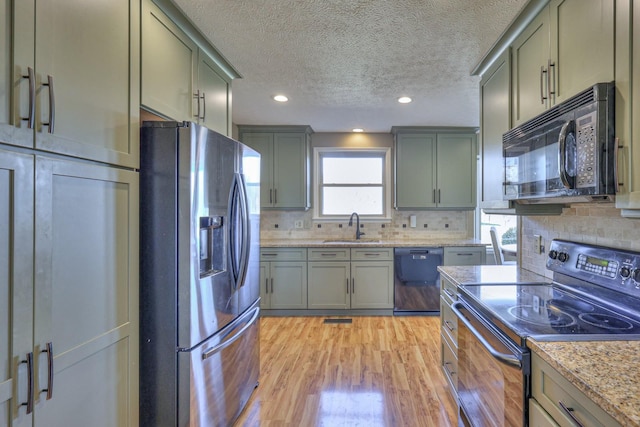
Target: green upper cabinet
[(627, 107), (435, 168), (285, 172), (568, 47), (182, 77), (70, 94), (495, 120)]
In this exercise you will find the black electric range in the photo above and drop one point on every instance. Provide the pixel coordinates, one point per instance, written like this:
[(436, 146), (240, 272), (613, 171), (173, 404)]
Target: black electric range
[(594, 295)]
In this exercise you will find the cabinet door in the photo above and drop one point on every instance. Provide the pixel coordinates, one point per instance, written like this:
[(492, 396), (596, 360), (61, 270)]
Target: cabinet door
[(263, 144), (372, 284), (415, 173), (329, 285), (530, 58), (86, 293), (495, 120), (265, 295), (456, 171), (215, 108), (169, 60), (89, 49), (16, 284), (289, 285), (464, 255), (289, 170), (582, 45)]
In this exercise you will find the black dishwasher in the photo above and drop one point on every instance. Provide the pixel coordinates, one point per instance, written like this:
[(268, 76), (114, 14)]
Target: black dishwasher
[(416, 286)]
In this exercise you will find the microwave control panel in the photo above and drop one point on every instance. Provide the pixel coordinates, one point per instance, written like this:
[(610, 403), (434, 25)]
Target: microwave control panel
[(586, 150)]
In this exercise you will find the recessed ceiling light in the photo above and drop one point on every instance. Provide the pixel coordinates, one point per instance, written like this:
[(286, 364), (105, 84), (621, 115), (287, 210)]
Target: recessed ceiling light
[(404, 100), (280, 98), (358, 130)]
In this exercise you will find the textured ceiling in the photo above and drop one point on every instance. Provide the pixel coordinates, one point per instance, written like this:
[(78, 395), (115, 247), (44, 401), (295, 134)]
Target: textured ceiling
[(344, 63)]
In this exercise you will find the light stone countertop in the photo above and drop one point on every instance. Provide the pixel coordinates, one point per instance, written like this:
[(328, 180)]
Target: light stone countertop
[(608, 372), (311, 243)]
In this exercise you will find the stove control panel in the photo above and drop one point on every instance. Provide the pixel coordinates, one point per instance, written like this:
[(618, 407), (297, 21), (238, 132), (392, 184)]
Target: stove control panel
[(612, 268)]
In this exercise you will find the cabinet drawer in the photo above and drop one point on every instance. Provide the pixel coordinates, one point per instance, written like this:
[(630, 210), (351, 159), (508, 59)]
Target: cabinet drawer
[(329, 254), (450, 366), (448, 290), (283, 254), (449, 322), (469, 255), (373, 254), (551, 389)]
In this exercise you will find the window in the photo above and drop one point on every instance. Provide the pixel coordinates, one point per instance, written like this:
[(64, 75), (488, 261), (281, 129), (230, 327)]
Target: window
[(352, 180)]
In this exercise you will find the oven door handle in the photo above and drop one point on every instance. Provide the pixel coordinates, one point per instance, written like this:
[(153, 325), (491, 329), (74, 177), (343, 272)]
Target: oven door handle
[(507, 359)]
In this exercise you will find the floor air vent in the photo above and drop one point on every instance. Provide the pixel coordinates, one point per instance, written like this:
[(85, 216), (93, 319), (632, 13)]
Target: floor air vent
[(337, 320)]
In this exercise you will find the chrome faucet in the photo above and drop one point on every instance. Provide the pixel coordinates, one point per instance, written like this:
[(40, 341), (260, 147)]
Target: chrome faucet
[(358, 232)]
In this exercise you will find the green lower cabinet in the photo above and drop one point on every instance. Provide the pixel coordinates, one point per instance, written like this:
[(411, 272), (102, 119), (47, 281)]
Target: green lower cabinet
[(329, 285), (372, 284), (350, 284), (283, 285)]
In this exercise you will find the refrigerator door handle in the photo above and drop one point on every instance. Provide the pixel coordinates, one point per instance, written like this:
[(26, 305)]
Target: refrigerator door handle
[(227, 342), (239, 256)]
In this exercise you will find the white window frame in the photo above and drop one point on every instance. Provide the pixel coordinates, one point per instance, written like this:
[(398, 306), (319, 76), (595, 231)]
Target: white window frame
[(386, 183)]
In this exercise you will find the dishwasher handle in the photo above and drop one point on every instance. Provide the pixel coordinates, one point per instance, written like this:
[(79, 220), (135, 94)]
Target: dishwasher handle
[(508, 359)]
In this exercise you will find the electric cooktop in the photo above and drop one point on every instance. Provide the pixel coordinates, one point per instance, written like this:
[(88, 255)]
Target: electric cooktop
[(595, 294)]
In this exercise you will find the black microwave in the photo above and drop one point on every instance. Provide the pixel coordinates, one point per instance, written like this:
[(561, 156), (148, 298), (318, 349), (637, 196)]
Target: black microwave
[(566, 154)]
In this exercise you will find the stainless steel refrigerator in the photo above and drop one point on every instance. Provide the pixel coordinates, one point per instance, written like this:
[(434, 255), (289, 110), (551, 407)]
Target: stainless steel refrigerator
[(199, 288)]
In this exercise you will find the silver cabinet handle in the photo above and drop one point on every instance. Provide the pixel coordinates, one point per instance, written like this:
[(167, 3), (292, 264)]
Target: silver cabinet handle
[(270, 196), (353, 285), (374, 254), (217, 348), (542, 73), (52, 104), (551, 67), (347, 285), (198, 97), (439, 199), (272, 285), (29, 362), (49, 350), (331, 254), (449, 371), (266, 286), (569, 412), (616, 176), (449, 325), (204, 106), (275, 196), (30, 119), (434, 196)]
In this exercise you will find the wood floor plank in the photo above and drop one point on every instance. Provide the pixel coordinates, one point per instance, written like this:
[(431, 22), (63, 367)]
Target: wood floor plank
[(375, 371)]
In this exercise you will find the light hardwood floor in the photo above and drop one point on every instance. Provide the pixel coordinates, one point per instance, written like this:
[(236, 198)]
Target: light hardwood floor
[(377, 371)]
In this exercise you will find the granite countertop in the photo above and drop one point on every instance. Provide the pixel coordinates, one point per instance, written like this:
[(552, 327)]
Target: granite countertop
[(311, 243), (489, 274), (606, 371)]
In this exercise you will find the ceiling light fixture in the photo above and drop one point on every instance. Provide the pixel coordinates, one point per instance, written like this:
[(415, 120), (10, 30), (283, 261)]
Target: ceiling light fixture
[(280, 98), (404, 100), (358, 130)]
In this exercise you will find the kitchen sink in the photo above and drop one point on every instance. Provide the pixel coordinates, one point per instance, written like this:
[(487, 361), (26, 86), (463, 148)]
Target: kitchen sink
[(352, 241)]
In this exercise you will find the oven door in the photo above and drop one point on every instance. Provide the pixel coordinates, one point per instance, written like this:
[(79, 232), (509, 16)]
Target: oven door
[(493, 373)]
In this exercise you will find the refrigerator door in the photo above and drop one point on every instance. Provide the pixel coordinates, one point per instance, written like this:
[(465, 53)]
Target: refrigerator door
[(216, 378), (249, 168)]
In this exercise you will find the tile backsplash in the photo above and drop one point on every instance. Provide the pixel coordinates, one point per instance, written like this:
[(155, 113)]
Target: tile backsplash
[(276, 224), (599, 224)]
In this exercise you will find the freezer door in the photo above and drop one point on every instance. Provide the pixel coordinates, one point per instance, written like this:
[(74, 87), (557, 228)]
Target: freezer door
[(216, 379), (207, 300)]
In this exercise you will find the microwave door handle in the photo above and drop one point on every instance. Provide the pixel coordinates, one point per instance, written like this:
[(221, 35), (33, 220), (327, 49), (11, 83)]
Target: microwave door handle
[(507, 359), (562, 154)]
